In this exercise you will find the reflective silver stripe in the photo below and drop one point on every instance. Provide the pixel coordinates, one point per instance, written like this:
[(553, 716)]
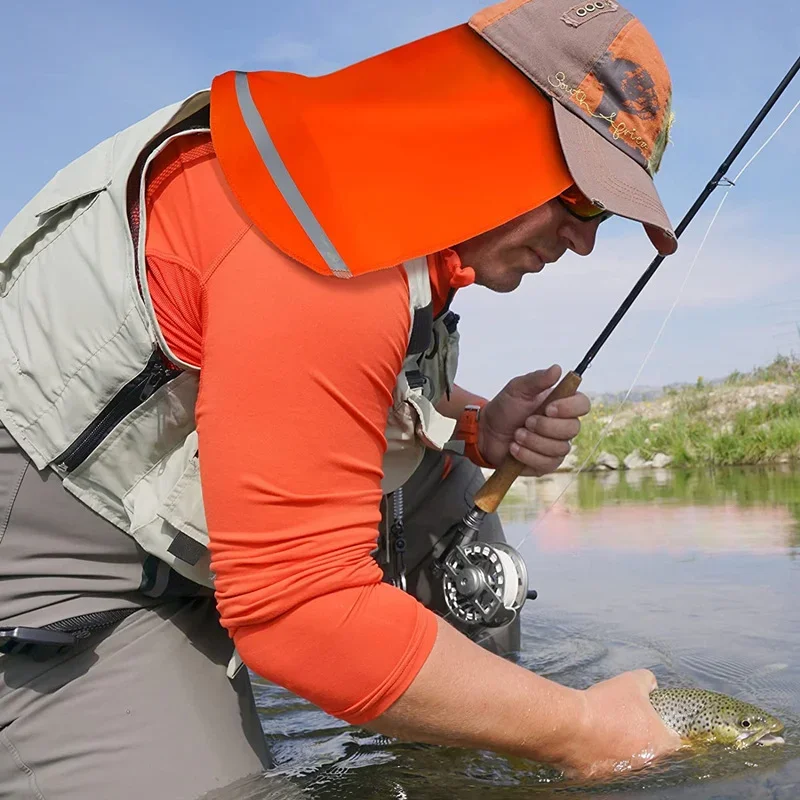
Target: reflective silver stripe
[(284, 181)]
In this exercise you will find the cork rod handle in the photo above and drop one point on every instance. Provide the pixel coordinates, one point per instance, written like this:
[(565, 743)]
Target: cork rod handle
[(491, 494)]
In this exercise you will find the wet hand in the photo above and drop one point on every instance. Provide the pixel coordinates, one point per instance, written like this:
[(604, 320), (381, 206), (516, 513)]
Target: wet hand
[(620, 729), (539, 442)]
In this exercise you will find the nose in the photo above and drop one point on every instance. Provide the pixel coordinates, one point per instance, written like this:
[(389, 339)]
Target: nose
[(579, 235)]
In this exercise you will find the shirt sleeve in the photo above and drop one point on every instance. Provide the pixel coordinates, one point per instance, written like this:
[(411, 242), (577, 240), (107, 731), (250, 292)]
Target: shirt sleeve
[(296, 379), (296, 382)]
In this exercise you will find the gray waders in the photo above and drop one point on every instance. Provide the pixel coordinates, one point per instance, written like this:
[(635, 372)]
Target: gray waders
[(142, 707)]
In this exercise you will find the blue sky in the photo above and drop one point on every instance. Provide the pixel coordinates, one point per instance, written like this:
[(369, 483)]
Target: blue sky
[(72, 74)]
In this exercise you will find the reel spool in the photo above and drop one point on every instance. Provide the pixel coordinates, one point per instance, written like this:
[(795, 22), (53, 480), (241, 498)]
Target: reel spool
[(485, 584)]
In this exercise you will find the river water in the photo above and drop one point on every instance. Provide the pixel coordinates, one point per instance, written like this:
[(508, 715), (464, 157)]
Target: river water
[(693, 575)]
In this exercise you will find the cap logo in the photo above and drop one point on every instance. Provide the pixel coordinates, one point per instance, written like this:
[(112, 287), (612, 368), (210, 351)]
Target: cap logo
[(621, 98), (605, 111), (577, 15)]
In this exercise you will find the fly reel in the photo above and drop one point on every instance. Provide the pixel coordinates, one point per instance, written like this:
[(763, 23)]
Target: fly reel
[(485, 584)]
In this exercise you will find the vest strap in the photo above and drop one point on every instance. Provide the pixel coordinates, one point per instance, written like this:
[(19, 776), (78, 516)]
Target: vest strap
[(421, 330)]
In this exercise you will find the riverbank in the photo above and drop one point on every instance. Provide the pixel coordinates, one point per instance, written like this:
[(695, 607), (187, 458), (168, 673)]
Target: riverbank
[(746, 418)]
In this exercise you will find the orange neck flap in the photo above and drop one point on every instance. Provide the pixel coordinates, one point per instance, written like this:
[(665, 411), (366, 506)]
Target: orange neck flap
[(399, 156)]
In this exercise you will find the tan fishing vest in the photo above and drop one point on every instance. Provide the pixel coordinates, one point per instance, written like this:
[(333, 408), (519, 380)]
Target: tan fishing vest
[(83, 387)]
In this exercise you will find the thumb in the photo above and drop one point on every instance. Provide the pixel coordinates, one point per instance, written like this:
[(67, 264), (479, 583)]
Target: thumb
[(534, 383), (647, 680)]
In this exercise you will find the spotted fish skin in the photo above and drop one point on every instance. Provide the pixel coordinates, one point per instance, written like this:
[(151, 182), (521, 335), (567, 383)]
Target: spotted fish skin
[(701, 715)]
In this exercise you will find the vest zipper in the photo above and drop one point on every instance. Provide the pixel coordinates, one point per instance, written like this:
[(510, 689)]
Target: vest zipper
[(126, 400)]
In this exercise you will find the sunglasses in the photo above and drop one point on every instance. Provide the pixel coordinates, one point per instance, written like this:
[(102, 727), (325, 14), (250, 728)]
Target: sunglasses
[(581, 207)]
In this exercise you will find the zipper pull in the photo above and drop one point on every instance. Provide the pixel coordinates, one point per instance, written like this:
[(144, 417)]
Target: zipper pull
[(154, 380)]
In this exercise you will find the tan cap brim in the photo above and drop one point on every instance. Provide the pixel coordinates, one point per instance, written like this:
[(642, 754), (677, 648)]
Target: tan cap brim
[(606, 175)]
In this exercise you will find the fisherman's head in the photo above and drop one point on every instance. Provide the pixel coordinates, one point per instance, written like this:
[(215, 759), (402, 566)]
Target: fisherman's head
[(509, 139)]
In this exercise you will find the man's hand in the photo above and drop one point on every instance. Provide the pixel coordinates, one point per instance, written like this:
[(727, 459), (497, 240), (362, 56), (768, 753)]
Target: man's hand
[(540, 443), (620, 729)]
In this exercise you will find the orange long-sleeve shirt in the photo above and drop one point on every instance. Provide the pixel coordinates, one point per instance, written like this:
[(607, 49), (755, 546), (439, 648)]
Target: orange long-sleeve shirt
[(296, 377)]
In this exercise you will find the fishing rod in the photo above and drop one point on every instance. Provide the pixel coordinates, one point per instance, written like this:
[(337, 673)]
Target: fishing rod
[(487, 584)]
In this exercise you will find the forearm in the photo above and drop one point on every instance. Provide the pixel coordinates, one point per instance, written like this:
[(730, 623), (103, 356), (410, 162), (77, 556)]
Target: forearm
[(454, 405), (467, 697)]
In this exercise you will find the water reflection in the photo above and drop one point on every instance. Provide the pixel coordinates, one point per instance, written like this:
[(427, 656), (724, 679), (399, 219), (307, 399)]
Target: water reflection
[(722, 510)]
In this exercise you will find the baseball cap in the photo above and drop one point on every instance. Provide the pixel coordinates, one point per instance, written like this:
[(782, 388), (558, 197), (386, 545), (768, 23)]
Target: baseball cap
[(611, 93)]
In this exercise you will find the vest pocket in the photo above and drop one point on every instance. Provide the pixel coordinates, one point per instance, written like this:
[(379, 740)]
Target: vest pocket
[(72, 329), (43, 230), (65, 198)]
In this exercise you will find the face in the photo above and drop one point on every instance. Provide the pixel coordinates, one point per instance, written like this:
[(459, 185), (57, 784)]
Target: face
[(502, 256)]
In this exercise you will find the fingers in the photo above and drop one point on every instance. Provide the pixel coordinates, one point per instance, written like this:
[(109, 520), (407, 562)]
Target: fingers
[(643, 679), (539, 439), (535, 464), (530, 386), (576, 406), (563, 429), (646, 678), (549, 446), (543, 443)]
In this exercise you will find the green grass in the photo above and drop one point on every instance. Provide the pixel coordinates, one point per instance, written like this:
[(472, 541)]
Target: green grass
[(764, 434), (784, 369)]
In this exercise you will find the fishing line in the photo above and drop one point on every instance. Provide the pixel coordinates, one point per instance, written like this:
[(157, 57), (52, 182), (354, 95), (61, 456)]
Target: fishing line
[(771, 137), (730, 185), (485, 583)]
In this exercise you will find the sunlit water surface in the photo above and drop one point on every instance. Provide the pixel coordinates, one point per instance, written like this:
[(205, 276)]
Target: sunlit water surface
[(692, 575)]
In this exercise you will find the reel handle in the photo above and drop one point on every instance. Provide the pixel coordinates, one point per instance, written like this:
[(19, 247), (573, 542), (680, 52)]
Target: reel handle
[(491, 494)]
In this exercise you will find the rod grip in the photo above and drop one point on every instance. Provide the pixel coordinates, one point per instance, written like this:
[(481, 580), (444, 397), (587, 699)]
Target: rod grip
[(491, 494)]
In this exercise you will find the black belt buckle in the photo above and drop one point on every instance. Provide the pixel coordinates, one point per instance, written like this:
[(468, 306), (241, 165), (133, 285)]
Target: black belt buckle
[(40, 643)]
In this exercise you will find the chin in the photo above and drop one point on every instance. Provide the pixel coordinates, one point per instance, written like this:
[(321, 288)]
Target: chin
[(504, 282)]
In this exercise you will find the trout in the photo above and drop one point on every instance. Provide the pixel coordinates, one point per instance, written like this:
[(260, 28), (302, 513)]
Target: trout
[(698, 715)]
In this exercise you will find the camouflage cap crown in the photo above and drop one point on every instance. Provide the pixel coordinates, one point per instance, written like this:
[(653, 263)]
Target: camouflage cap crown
[(612, 96)]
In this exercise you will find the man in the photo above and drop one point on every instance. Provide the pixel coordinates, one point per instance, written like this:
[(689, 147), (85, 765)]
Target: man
[(174, 322)]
